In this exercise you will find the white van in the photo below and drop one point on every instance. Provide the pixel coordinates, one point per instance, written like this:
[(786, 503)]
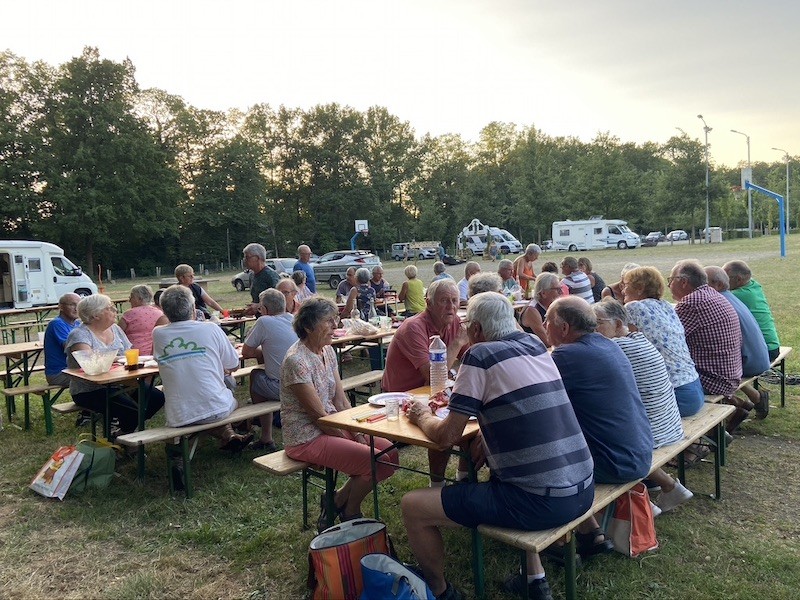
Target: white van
[(593, 234), (38, 273)]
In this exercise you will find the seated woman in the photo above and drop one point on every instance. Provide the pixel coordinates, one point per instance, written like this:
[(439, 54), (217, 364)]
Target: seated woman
[(303, 293), (139, 321), (656, 319), (310, 389), (361, 296), (598, 285), (185, 276), (615, 290), (655, 388), (194, 381), (288, 288), (99, 331), (412, 293), (545, 291)]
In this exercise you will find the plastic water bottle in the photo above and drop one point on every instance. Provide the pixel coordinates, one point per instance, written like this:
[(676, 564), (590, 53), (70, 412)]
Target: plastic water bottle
[(437, 353)]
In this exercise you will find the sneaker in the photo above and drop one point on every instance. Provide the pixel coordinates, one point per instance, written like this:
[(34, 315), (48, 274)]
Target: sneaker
[(237, 443), (669, 500), (652, 486), (451, 593), (762, 408), (538, 589), (266, 447), (85, 418), (655, 510)]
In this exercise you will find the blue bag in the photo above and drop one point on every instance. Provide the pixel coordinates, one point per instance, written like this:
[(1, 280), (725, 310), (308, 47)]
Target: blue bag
[(385, 578)]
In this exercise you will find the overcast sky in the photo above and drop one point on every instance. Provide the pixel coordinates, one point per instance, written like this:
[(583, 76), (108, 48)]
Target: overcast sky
[(570, 68)]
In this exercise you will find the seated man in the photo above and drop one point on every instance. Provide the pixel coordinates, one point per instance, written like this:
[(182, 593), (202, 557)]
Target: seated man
[(712, 334), (485, 282), (55, 361), (381, 286), (440, 271), (288, 288), (470, 269), (346, 285), (755, 356), (576, 280), (192, 360), (268, 341), (539, 480), (602, 389)]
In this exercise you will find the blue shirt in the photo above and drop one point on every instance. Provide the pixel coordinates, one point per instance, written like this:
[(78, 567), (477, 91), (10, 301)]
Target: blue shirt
[(311, 281), (755, 355), (55, 360), (599, 381)]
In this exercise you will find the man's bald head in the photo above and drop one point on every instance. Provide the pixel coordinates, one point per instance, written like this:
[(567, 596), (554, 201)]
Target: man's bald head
[(717, 278)]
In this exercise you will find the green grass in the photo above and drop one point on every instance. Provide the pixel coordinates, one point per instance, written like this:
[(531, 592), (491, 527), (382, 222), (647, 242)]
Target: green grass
[(241, 536)]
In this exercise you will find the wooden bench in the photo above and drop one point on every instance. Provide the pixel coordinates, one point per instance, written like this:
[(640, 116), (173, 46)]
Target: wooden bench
[(710, 416), (368, 379), (279, 464), (180, 436), (780, 364), (243, 372), (38, 390)]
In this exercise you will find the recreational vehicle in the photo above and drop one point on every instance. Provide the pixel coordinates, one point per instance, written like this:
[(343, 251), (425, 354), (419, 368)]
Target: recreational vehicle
[(593, 234)]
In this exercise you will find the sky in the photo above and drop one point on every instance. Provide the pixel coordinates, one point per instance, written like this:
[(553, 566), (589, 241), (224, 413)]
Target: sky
[(635, 69)]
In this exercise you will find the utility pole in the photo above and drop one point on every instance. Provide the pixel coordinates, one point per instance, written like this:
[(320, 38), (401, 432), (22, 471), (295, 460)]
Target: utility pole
[(707, 129), (749, 191)]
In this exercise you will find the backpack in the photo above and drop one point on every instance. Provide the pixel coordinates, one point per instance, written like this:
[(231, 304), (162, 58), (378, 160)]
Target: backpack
[(387, 579)]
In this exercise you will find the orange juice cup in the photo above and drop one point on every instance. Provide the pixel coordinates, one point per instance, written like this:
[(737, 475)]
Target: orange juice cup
[(132, 357), (226, 313)]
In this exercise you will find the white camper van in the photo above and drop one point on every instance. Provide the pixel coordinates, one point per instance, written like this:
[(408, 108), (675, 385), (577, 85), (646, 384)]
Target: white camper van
[(593, 234), (38, 273), (475, 237)]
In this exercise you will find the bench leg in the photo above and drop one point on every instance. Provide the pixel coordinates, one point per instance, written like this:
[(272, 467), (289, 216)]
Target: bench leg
[(187, 466), (718, 456), (27, 412), (48, 416), (477, 564), (783, 383), (570, 581)]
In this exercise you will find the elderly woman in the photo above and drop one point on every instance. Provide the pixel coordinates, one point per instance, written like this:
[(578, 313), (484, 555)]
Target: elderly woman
[(615, 290), (412, 293), (656, 319), (99, 331), (505, 268), (440, 271), (485, 282), (288, 288), (658, 395), (194, 382), (598, 285), (303, 293), (185, 276), (310, 389), (545, 291), (139, 321), (361, 296), (523, 266)]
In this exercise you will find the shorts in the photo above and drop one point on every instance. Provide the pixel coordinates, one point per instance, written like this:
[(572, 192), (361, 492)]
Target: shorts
[(507, 505), (264, 385), (773, 354), (690, 397)]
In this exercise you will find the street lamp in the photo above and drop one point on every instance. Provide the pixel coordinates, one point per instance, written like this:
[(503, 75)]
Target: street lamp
[(788, 224), (749, 191), (706, 129)]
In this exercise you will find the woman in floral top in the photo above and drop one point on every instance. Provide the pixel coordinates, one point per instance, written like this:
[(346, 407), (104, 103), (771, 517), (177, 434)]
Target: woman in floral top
[(656, 319), (310, 389)]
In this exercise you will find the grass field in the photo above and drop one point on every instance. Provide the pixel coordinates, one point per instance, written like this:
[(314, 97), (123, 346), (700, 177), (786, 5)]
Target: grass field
[(240, 536)]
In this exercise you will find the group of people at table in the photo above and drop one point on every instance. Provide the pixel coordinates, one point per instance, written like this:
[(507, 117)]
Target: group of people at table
[(577, 390)]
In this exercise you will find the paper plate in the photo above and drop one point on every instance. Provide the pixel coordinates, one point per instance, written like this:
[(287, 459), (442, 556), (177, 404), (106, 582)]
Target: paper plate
[(380, 399)]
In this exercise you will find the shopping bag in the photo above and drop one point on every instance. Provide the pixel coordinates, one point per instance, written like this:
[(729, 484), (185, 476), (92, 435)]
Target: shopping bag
[(385, 578), (54, 478), (97, 469), (631, 525), (334, 558)]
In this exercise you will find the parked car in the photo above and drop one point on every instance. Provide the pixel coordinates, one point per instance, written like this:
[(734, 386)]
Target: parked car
[(657, 236), (332, 267), (244, 280), (677, 235)]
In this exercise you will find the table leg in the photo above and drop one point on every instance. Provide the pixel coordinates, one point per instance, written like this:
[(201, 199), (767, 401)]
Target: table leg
[(142, 408), (373, 463), (720, 440)]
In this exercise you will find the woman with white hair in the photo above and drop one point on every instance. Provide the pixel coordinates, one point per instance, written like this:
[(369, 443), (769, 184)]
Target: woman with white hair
[(143, 316), (303, 293), (99, 331), (362, 296), (412, 293), (546, 290)]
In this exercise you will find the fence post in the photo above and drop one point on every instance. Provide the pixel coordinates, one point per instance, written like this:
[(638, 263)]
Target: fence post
[(133, 274)]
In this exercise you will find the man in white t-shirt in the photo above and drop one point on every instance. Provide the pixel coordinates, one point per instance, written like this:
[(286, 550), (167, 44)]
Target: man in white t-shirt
[(268, 342), (470, 269)]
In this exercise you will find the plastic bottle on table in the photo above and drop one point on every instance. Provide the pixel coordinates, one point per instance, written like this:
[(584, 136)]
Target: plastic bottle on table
[(373, 314), (437, 353)]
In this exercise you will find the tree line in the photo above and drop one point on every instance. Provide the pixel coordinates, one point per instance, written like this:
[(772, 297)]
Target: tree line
[(133, 178)]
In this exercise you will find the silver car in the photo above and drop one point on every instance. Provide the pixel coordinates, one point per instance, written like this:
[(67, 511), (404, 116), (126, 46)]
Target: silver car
[(332, 267)]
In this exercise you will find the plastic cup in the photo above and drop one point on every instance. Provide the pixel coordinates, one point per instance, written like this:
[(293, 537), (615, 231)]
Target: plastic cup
[(392, 409), (226, 313), (132, 357), (41, 338)]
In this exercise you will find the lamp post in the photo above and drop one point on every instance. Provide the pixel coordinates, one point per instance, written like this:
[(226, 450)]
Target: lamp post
[(788, 214), (706, 129), (749, 191)]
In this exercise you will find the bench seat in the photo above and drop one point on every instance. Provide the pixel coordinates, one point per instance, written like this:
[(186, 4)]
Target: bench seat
[(368, 379), (47, 395)]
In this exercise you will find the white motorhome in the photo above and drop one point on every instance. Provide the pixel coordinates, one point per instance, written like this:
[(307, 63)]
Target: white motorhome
[(475, 237), (38, 273), (593, 234)]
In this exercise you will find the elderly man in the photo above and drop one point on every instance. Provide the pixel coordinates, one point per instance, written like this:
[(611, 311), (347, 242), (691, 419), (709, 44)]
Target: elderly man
[(255, 259), (346, 285), (268, 341), (749, 291), (470, 269), (440, 271), (55, 361), (755, 356), (505, 268), (523, 267), (380, 285), (577, 281), (602, 388), (712, 334), (485, 282), (304, 264), (288, 288), (539, 480)]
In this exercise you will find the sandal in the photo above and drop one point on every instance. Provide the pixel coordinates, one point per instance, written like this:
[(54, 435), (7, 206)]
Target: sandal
[(587, 546)]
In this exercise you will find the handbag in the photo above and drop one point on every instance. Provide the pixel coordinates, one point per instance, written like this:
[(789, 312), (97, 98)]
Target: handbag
[(97, 469), (334, 558), (631, 525), (54, 478), (385, 578)]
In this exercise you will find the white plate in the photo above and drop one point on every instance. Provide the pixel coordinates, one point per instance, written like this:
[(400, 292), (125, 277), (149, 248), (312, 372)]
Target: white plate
[(380, 399), (443, 411)]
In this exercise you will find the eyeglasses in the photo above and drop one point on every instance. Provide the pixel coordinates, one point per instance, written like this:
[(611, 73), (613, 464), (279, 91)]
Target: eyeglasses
[(671, 278), (111, 308), (555, 289)]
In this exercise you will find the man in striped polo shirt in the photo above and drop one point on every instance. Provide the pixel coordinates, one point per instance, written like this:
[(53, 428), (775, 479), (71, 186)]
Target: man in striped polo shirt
[(540, 463), (576, 280)]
